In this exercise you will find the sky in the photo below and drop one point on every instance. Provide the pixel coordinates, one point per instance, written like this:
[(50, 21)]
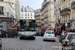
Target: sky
[(35, 4)]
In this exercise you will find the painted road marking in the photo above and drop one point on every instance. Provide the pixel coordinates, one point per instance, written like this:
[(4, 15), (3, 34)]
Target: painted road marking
[(59, 46)]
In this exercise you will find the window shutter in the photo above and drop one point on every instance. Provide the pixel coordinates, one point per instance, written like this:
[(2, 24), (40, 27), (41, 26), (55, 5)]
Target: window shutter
[(4, 10)]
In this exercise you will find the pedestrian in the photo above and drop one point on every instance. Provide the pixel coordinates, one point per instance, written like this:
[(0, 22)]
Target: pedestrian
[(0, 32), (5, 33)]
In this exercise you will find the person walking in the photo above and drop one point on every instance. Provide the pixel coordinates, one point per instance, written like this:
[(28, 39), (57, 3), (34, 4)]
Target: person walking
[(0, 32), (5, 33)]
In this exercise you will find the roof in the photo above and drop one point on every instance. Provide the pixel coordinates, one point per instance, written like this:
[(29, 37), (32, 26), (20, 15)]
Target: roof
[(26, 9)]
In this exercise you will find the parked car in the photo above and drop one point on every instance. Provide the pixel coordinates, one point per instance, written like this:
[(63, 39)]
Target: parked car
[(71, 45), (62, 36), (49, 35), (67, 38)]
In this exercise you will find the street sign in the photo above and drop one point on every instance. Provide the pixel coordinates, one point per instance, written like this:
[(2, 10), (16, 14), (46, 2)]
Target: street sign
[(7, 14), (0, 20)]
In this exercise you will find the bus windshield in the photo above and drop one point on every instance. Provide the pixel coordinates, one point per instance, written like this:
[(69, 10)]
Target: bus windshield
[(27, 25)]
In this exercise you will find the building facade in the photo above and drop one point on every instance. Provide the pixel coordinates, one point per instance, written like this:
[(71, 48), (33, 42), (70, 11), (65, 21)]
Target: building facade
[(42, 18), (37, 18), (17, 9), (6, 13), (27, 13), (65, 12), (57, 7), (49, 18), (73, 14)]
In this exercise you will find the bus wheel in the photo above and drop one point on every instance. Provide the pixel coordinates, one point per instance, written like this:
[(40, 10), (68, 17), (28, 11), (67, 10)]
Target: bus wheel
[(33, 38), (21, 38)]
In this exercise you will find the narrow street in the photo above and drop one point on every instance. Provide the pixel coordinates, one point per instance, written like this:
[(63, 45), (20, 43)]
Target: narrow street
[(37, 44)]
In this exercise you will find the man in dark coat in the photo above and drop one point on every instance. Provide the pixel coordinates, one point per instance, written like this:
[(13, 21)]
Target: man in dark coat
[(0, 32)]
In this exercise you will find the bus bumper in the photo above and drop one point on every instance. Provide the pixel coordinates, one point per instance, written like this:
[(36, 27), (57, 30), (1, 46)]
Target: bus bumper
[(27, 35)]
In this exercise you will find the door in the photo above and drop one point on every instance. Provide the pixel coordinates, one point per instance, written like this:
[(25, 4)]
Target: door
[(1, 27)]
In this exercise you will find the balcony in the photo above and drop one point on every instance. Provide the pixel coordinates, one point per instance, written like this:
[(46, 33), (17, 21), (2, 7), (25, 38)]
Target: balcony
[(46, 15), (65, 11), (37, 15), (1, 0), (46, 4), (73, 5)]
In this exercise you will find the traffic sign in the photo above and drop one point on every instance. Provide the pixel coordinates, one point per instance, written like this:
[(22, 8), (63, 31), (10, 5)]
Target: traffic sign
[(0, 20)]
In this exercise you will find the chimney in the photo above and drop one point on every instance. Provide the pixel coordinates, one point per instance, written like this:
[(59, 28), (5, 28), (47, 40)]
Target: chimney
[(27, 6), (22, 6)]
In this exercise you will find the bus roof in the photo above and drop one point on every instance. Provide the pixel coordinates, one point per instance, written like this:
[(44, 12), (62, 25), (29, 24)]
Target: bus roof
[(27, 19)]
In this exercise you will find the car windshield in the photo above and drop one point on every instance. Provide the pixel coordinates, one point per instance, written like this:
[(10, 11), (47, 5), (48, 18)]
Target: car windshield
[(49, 32), (71, 36), (27, 25), (73, 42)]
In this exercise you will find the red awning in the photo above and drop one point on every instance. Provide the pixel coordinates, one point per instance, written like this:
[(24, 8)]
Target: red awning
[(60, 26), (52, 28), (46, 29)]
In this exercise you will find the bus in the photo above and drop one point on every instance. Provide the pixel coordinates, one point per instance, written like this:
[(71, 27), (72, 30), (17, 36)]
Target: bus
[(27, 28)]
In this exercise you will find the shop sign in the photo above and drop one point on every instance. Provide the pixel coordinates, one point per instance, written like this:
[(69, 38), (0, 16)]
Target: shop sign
[(70, 21), (68, 24), (7, 14), (12, 20), (65, 24)]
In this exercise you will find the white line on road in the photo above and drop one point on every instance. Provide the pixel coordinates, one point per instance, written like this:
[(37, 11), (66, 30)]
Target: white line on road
[(59, 46)]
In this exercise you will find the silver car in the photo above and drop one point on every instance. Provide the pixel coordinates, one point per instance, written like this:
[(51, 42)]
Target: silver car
[(49, 35), (62, 36), (71, 45), (67, 38)]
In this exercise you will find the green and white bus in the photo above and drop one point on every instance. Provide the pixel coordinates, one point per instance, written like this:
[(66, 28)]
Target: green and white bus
[(27, 28)]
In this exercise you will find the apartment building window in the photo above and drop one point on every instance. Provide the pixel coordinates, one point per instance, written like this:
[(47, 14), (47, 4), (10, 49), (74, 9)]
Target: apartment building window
[(25, 17), (22, 17), (1, 0), (54, 0), (31, 14), (28, 14), (31, 17), (25, 14), (22, 9), (69, 17), (66, 18), (22, 14), (64, 0), (1, 10)]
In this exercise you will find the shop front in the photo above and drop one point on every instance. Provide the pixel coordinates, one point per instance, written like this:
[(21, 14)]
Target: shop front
[(4, 23)]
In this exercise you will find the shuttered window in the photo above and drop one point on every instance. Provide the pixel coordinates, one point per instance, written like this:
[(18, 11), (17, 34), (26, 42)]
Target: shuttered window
[(1, 10)]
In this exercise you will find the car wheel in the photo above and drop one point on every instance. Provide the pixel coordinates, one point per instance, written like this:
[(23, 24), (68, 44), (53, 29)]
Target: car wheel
[(54, 40), (43, 39), (21, 38), (63, 48)]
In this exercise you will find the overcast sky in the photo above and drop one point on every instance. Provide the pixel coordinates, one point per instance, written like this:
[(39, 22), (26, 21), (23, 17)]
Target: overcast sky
[(35, 4)]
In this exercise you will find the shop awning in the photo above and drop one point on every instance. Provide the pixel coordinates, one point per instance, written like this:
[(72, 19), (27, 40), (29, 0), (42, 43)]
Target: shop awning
[(60, 26), (52, 29)]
